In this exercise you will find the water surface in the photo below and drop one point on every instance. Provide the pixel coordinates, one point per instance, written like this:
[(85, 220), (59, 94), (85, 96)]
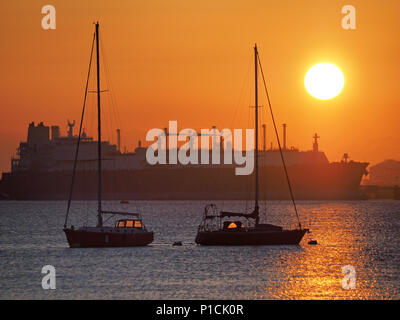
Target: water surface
[(364, 234)]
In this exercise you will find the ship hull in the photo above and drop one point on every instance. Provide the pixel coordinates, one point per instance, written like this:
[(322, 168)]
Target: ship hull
[(335, 181), (88, 239), (252, 238)]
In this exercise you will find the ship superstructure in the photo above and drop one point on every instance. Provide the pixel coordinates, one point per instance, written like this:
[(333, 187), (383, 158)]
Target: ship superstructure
[(46, 150)]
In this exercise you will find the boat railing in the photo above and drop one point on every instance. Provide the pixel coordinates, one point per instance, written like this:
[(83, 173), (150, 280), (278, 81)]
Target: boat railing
[(211, 218), (211, 211)]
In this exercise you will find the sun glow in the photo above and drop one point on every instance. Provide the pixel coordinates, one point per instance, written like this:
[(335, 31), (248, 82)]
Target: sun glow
[(324, 81)]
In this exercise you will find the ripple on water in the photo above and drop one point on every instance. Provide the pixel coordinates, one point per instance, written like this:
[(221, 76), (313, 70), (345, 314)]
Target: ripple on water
[(364, 234)]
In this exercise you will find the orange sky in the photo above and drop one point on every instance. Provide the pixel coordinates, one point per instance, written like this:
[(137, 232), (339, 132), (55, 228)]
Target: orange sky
[(189, 60)]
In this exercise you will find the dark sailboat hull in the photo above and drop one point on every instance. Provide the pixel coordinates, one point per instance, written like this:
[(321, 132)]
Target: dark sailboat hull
[(253, 238), (87, 239)]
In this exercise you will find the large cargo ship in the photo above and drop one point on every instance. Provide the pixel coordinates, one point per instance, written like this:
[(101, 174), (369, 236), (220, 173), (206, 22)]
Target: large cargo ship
[(42, 170)]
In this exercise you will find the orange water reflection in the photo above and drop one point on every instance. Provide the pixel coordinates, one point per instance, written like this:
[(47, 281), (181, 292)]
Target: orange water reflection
[(345, 237)]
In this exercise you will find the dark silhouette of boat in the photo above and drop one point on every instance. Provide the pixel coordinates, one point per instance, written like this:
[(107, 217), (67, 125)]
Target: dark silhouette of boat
[(126, 232), (235, 233), (216, 229)]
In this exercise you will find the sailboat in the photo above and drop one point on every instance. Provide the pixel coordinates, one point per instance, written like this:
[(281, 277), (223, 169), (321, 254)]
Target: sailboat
[(126, 232), (226, 228)]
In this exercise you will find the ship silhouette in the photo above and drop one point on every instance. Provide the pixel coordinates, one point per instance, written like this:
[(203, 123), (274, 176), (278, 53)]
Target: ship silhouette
[(42, 171), (44, 162)]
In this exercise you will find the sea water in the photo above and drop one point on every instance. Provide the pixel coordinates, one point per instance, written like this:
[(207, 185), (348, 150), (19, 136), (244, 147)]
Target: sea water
[(361, 234)]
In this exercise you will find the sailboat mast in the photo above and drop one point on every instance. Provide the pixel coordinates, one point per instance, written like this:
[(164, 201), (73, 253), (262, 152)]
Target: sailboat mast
[(256, 208), (99, 215)]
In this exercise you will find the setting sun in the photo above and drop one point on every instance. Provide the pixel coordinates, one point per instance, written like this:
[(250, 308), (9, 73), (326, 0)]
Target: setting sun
[(324, 81)]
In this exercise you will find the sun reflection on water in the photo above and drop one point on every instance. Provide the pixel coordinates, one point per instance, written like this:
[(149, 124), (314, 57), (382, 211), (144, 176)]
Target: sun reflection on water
[(315, 272), (363, 234)]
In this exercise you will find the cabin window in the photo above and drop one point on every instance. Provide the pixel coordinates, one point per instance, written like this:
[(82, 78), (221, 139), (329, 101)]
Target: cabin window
[(231, 225), (129, 223), (138, 224), (121, 224)]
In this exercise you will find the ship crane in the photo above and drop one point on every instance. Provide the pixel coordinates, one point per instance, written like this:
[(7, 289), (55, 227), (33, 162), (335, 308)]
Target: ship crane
[(70, 130)]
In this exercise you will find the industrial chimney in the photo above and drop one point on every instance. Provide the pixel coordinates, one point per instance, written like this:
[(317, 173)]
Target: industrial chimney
[(264, 137), (119, 139), (284, 136), (55, 132), (166, 133), (214, 139)]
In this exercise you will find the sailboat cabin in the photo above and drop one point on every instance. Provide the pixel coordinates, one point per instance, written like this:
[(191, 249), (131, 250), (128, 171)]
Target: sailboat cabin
[(129, 223)]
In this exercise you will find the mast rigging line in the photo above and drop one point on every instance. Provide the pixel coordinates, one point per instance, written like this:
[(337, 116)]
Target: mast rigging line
[(79, 136), (279, 144), (112, 97)]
